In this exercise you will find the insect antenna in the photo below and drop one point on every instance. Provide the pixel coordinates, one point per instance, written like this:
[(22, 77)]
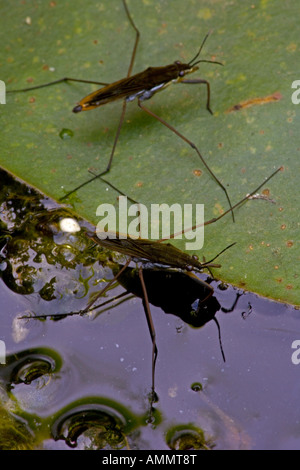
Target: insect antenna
[(192, 62), (208, 263), (206, 60), (200, 49)]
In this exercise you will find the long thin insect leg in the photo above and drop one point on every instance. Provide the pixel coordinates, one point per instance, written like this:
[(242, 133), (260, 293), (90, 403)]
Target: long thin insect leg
[(88, 308), (61, 80), (225, 310), (200, 81), (248, 196), (229, 310), (116, 138), (151, 329), (122, 194), (108, 285), (110, 159), (122, 113), (211, 291), (137, 37), (58, 316), (116, 189), (114, 299), (193, 147), (235, 206), (220, 339)]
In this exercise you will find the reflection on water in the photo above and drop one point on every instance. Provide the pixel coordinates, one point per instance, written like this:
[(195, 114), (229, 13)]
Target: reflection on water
[(32, 378), (59, 268), (83, 382)]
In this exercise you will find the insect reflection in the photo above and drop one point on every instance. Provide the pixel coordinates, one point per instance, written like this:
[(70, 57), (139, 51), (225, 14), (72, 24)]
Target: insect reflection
[(164, 258)]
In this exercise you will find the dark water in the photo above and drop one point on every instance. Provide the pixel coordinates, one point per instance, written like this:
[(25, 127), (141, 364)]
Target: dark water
[(84, 381)]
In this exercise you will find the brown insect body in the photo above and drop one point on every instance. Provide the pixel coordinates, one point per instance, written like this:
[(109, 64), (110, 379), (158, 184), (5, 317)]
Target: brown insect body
[(142, 85), (152, 252)]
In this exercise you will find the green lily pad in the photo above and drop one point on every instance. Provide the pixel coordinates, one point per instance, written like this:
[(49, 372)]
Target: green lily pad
[(252, 132)]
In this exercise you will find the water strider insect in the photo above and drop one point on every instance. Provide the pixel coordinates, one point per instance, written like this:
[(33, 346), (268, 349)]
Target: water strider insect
[(141, 86), (156, 253)]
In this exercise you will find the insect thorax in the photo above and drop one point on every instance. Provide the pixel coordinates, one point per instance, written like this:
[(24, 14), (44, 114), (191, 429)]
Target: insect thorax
[(145, 94), (158, 78)]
